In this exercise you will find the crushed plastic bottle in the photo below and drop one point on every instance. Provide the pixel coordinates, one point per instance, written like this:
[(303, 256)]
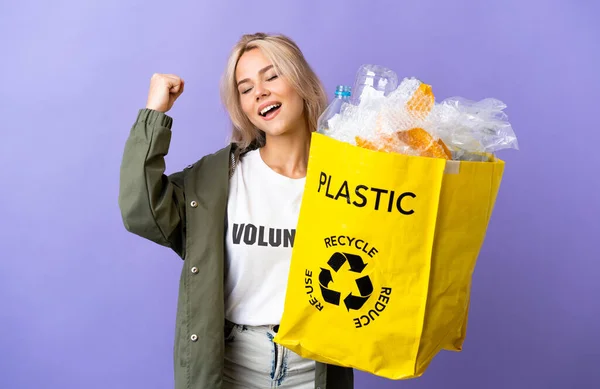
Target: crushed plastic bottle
[(372, 80), (342, 96)]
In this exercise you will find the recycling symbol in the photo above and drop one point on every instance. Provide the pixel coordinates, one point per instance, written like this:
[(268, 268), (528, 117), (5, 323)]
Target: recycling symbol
[(356, 264)]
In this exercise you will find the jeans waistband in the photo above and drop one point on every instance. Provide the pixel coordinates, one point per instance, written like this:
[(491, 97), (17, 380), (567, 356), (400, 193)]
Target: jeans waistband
[(271, 327)]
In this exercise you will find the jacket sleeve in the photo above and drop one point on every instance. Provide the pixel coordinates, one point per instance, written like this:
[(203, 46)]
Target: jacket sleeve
[(152, 204)]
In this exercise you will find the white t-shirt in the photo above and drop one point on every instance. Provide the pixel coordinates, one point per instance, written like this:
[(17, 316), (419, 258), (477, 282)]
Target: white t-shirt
[(262, 213)]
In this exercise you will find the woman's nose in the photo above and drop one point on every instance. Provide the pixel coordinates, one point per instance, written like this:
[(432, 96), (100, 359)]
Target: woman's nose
[(261, 91)]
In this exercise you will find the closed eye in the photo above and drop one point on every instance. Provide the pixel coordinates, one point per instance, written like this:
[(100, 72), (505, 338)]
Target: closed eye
[(272, 78)]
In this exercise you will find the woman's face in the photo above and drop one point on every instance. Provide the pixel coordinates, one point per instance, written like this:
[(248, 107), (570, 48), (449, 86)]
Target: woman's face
[(267, 98)]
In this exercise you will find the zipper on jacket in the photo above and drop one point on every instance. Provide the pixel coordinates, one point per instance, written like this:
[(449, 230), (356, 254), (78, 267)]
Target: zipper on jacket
[(232, 164)]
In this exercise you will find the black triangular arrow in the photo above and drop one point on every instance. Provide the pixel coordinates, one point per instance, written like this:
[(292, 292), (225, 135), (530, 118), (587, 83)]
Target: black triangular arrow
[(331, 296), (356, 263)]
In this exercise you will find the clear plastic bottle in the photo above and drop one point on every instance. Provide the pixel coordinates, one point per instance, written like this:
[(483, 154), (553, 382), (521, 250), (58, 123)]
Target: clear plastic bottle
[(342, 95), (378, 79)]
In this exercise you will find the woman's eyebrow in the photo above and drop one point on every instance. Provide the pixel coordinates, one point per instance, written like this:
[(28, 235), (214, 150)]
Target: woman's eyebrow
[(261, 71)]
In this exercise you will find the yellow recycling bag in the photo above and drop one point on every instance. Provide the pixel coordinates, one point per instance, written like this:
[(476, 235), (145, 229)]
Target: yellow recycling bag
[(383, 256)]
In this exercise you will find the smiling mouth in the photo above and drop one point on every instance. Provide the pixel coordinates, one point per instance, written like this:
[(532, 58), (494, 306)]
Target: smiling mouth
[(271, 109)]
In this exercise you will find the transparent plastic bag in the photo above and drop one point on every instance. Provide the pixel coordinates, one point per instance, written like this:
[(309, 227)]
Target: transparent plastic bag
[(401, 124), (407, 120), (471, 127)]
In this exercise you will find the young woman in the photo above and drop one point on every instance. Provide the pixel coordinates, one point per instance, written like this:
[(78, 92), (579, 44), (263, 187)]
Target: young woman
[(232, 217)]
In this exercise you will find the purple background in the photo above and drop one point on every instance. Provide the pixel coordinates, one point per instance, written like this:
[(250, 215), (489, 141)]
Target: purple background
[(84, 304)]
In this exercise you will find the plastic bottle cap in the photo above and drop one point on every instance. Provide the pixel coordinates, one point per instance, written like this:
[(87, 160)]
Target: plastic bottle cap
[(343, 90)]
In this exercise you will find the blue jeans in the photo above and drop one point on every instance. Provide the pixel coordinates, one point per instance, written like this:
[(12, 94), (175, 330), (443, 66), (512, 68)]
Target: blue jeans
[(253, 360)]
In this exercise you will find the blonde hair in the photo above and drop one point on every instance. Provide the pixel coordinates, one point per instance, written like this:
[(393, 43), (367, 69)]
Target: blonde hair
[(291, 64)]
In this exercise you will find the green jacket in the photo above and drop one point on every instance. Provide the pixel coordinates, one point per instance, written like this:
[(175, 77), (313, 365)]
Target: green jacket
[(186, 211)]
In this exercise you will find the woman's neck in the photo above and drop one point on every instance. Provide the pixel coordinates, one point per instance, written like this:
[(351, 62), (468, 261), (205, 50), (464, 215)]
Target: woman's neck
[(288, 154)]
